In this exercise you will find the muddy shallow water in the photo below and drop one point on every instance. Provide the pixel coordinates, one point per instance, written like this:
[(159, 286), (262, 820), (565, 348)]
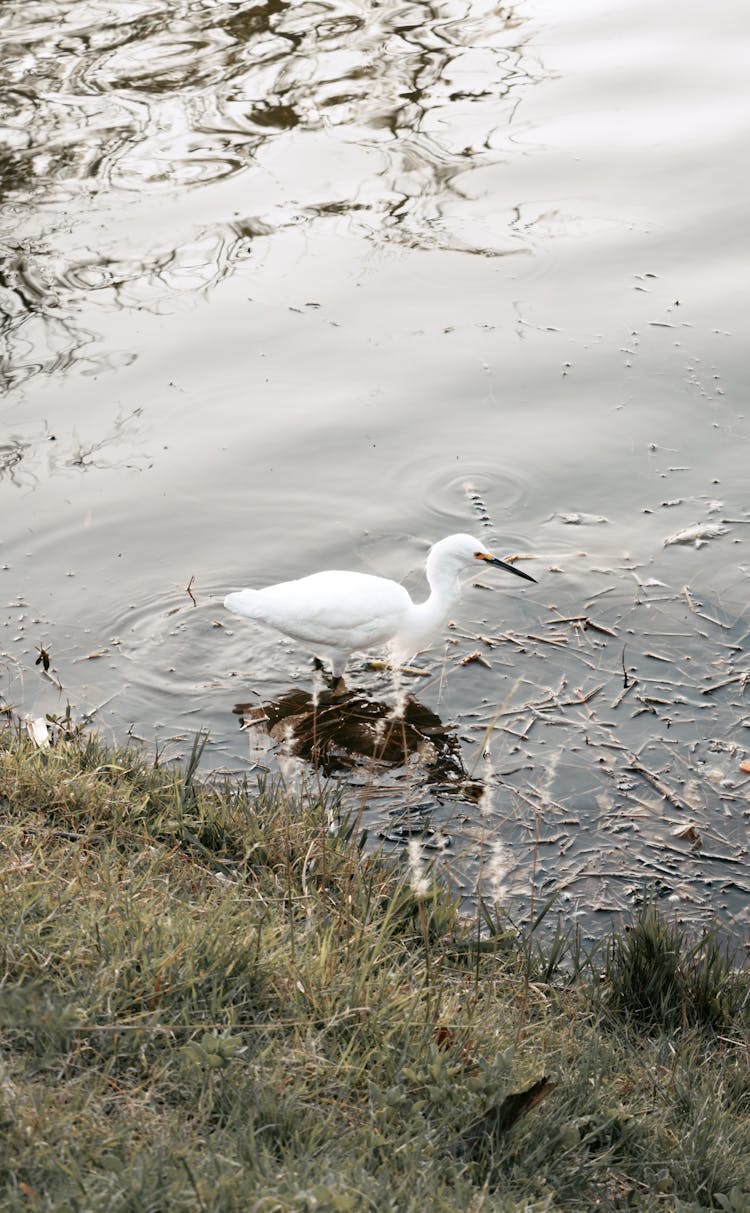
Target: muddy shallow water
[(288, 287)]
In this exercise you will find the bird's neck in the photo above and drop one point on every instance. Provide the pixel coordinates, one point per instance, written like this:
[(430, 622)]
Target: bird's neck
[(429, 617), (445, 591), (445, 588)]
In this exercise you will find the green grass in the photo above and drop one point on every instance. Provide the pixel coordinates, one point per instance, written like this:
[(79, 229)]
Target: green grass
[(210, 1002)]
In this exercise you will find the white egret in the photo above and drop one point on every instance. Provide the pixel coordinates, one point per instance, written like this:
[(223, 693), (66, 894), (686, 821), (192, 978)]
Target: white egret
[(337, 613)]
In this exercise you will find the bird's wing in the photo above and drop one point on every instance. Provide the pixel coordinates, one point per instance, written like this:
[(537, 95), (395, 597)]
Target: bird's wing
[(345, 610)]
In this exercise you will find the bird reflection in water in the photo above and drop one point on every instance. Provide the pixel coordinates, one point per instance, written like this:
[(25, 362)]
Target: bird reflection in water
[(343, 730)]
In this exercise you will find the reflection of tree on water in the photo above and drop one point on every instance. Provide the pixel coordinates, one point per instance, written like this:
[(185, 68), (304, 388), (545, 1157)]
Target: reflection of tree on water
[(349, 731), (11, 455), (37, 333), (106, 106), (38, 324), (244, 78)]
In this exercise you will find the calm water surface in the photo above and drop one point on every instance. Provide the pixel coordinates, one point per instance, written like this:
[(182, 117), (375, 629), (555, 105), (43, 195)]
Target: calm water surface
[(291, 286)]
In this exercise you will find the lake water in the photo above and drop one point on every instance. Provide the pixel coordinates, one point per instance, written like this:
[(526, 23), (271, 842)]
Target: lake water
[(296, 286)]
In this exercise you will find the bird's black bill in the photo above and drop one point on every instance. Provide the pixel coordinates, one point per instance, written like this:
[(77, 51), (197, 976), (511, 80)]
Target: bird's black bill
[(509, 568)]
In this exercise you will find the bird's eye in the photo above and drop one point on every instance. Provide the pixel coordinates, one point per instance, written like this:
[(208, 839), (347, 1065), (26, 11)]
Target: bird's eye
[(480, 556)]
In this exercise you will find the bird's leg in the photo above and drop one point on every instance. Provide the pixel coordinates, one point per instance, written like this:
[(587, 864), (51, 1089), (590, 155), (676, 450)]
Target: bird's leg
[(334, 680)]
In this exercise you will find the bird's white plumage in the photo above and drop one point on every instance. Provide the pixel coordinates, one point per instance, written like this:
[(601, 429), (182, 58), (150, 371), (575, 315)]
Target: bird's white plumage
[(323, 607), (341, 612)]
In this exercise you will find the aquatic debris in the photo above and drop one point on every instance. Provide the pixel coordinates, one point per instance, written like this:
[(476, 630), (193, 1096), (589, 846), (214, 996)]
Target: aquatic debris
[(698, 534), (475, 657), (691, 834), (43, 658), (38, 731), (577, 519)]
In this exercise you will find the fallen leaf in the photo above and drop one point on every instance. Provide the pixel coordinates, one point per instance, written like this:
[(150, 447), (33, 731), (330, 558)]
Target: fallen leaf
[(690, 834)]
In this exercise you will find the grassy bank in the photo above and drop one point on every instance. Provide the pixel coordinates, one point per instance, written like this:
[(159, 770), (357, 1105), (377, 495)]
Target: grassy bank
[(211, 1002)]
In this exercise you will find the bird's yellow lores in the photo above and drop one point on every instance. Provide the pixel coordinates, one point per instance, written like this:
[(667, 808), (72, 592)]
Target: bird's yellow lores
[(337, 613)]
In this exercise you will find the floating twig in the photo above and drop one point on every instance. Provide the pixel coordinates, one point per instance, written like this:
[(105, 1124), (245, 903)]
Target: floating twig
[(657, 783), (589, 695), (625, 691), (586, 622), (701, 614), (475, 658), (590, 625), (743, 676)]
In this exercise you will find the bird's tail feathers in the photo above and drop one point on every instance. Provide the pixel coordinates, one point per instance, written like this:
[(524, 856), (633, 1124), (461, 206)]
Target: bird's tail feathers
[(242, 602)]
